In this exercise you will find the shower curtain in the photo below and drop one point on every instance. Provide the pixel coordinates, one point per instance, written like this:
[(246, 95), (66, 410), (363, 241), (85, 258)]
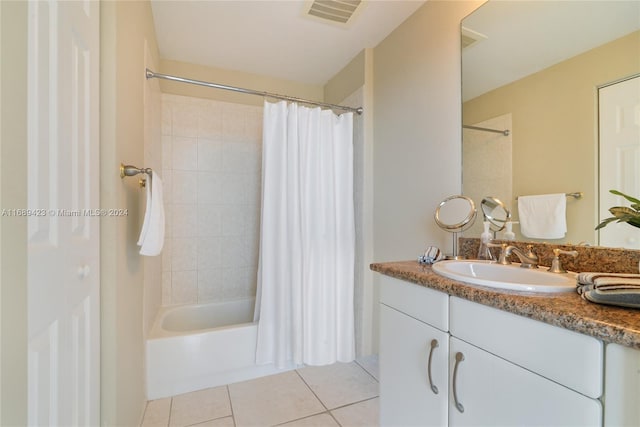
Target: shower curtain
[(304, 301)]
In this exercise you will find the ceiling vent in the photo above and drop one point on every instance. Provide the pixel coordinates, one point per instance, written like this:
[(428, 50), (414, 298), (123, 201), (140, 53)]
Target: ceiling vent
[(336, 11), (469, 37)]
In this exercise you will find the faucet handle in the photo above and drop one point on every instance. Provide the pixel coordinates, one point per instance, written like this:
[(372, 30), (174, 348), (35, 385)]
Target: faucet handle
[(497, 245), (502, 258), (530, 252), (556, 266)]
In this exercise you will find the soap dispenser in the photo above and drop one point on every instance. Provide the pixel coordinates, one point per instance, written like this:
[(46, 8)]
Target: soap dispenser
[(485, 237), (509, 234)]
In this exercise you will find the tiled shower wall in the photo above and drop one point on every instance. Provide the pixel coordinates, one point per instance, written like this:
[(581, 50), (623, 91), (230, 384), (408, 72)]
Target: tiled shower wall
[(486, 164), (211, 173)]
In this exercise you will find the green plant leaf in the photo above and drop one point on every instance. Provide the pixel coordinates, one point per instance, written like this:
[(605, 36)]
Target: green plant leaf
[(606, 221), (630, 215), (619, 211), (634, 221), (629, 198)]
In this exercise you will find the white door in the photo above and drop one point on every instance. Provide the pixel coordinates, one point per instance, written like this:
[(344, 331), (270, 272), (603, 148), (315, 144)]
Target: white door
[(63, 233), (619, 109), (413, 358)]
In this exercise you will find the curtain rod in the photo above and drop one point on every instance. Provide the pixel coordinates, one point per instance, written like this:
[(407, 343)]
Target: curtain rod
[(505, 132), (150, 74)]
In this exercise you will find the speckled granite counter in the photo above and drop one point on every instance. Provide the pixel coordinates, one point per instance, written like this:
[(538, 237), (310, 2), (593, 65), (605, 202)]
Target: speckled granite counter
[(567, 310)]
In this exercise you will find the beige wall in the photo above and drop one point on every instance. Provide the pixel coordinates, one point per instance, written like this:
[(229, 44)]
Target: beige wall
[(152, 159), (555, 127), (417, 128), (231, 78), (347, 80), (13, 191), (417, 133), (125, 27)]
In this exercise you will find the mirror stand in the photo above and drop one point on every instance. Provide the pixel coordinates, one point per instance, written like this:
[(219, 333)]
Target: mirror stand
[(454, 215), (454, 255)]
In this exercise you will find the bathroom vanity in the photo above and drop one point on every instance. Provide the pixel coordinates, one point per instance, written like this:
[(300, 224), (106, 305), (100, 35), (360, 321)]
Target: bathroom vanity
[(458, 354)]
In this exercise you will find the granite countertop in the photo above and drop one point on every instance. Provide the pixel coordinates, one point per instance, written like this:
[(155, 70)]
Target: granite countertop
[(567, 310)]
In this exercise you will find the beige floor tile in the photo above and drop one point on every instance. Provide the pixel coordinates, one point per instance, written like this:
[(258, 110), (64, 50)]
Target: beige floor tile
[(157, 413), (340, 384), (220, 422), (272, 400), (200, 406), (370, 364), (320, 420), (362, 414)]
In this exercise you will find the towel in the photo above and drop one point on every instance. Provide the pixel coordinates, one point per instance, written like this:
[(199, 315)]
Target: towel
[(147, 214), (543, 216), (620, 298), (617, 289), (609, 279), (152, 234)]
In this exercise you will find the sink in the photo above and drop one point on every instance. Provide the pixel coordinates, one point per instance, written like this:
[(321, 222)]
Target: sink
[(510, 277)]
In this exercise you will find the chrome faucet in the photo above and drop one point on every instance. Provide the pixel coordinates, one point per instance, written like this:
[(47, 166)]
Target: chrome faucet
[(527, 260)]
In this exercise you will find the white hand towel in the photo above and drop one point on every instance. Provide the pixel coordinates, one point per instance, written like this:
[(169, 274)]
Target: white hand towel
[(152, 235), (147, 215), (543, 216)]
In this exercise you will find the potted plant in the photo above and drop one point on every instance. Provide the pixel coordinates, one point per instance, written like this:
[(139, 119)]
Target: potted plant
[(630, 215)]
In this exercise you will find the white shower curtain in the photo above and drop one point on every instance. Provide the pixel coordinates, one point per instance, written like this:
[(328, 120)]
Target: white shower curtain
[(304, 301)]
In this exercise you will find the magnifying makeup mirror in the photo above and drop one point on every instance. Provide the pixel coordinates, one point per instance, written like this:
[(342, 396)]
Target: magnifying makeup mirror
[(455, 214), (496, 212)]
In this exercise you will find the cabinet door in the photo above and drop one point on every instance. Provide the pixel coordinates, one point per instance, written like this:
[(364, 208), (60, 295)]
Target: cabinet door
[(622, 382), (406, 395), (494, 392), (566, 357)]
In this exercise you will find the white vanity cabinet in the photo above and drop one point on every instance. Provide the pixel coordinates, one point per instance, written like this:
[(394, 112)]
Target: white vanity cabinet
[(501, 369), (414, 351)]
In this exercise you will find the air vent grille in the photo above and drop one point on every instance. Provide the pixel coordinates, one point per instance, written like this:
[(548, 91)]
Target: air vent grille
[(334, 10)]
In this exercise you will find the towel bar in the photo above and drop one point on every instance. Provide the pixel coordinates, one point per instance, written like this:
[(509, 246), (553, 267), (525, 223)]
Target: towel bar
[(575, 195), (129, 170)]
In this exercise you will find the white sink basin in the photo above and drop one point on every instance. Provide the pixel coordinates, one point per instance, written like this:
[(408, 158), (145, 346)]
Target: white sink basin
[(511, 277)]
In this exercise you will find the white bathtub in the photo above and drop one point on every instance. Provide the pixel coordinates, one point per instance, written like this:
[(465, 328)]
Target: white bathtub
[(193, 347)]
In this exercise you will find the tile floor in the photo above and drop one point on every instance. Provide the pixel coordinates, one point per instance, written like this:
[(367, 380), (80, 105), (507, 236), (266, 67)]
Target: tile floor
[(342, 394)]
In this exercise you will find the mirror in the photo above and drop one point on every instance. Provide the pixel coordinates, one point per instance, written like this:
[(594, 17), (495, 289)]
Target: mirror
[(496, 212), (455, 214), (534, 68)]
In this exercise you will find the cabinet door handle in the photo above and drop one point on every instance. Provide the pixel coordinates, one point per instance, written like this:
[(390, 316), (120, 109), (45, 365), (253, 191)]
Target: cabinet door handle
[(434, 345), (459, 358)]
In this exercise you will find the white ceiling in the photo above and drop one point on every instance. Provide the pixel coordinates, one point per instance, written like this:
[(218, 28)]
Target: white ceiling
[(271, 37), (524, 37)]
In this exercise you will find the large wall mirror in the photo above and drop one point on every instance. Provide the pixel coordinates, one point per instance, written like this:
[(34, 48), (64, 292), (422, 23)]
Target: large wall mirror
[(535, 68)]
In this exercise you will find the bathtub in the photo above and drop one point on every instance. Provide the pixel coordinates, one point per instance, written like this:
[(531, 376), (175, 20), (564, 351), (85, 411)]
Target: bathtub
[(193, 347)]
